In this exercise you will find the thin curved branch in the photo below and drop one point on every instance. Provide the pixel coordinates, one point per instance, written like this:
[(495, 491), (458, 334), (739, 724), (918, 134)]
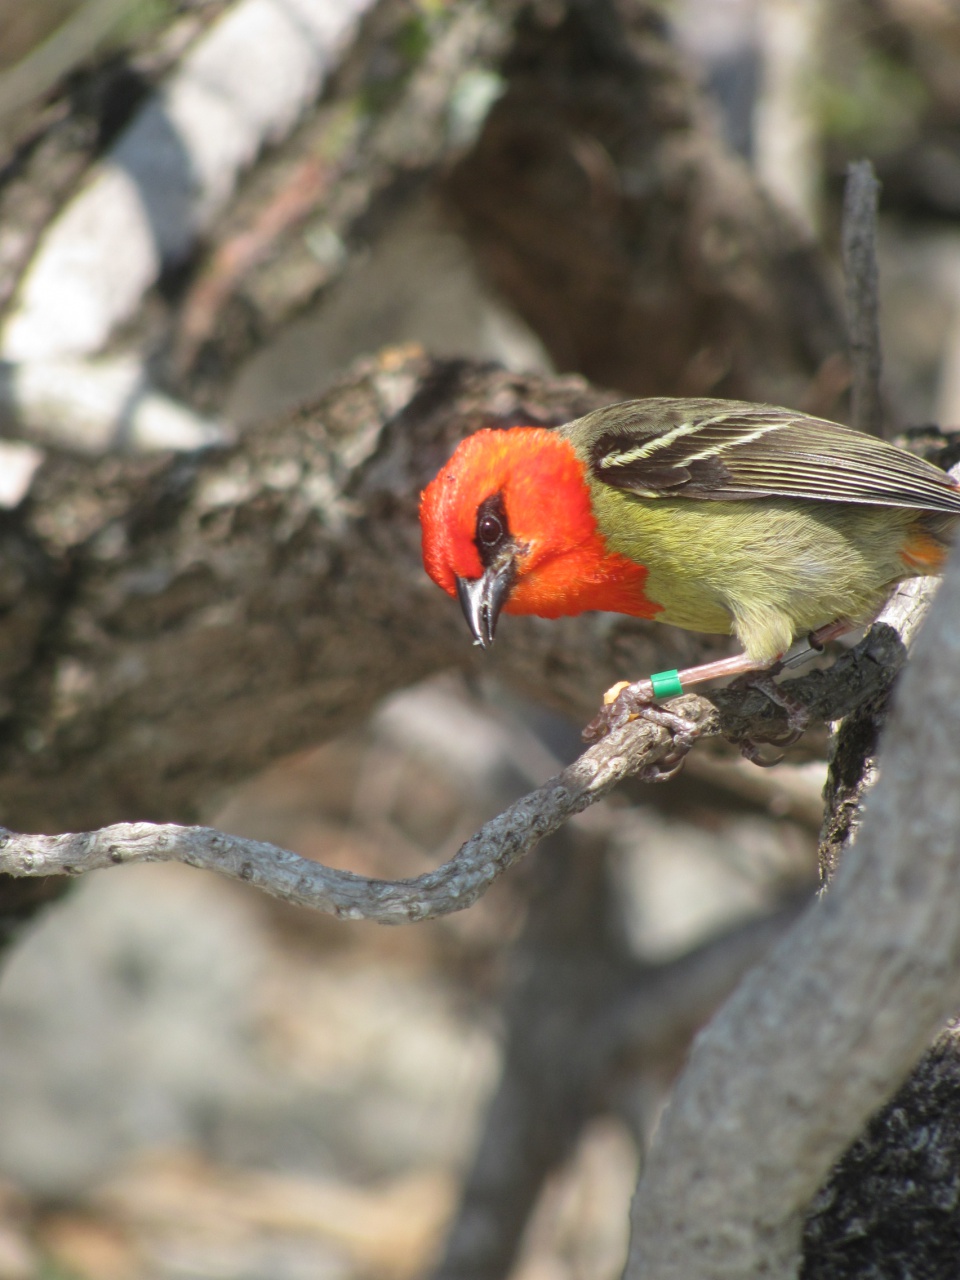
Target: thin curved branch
[(452, 887), (739, 713)]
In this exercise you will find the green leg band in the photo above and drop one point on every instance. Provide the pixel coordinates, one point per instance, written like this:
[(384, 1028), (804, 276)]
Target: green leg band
[(666, 684)]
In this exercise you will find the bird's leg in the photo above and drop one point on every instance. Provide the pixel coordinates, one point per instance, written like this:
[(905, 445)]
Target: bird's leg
[(798, 717), (684, 732), (832, 631), (737, 665), (626, 701)]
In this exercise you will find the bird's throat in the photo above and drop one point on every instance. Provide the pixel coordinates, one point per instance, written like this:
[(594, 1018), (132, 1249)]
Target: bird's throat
[(582, 578)]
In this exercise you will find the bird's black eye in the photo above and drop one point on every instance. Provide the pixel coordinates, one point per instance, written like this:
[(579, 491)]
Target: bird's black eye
[(489, 530), (492, 530)]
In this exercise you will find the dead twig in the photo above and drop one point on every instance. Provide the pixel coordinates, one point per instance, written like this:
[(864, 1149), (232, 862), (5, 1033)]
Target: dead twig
[(859, 237), (853, 755)]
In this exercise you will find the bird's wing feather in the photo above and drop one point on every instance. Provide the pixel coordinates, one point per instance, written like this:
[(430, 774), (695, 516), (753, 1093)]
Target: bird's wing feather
[(730, 450)]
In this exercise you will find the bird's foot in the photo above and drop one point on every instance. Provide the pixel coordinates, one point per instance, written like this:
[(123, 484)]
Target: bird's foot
[(625, 702), (621, 702), (798, 717)]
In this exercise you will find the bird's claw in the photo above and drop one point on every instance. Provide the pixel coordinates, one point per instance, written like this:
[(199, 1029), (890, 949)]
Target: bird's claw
[(626, 702), (798, 717), (753, 751), (621, 703)]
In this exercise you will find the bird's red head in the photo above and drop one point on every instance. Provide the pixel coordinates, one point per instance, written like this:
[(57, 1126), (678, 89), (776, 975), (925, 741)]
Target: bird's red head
[(507, 525)]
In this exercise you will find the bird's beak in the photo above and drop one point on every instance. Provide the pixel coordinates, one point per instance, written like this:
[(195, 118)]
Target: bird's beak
[(481, 599)]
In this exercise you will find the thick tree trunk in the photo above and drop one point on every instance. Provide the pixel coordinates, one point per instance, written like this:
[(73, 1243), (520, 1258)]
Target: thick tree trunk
[(179, 622)]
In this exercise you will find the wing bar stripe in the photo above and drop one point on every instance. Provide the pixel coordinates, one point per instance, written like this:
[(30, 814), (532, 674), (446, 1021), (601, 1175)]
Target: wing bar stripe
[(734, 442), (649, 447)]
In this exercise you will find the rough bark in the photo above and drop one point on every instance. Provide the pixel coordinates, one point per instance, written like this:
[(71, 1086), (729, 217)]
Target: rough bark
[(853, 752), (890, 1207), (173, 624), (813, 1041)]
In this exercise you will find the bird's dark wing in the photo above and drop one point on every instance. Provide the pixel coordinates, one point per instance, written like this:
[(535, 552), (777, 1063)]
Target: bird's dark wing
[(731, 450)]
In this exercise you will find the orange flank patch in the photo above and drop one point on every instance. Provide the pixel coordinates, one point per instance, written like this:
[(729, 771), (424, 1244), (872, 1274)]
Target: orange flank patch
[(922, 553), (563, 564)]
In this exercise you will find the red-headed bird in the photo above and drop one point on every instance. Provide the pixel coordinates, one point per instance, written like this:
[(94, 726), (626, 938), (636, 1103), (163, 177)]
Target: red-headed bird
[(715, 515)]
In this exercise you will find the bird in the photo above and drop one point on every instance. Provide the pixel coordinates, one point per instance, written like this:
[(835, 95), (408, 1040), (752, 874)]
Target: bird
[(718, 516)]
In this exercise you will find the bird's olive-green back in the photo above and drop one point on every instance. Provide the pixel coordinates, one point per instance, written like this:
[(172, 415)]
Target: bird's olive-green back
[(756, 520)]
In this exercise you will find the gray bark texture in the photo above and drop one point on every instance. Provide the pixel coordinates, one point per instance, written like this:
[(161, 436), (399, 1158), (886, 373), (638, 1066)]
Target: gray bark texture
[(174, 624), (840, 1011)]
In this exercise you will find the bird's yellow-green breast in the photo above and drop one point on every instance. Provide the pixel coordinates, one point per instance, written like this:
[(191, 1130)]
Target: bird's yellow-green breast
[(768, 570)]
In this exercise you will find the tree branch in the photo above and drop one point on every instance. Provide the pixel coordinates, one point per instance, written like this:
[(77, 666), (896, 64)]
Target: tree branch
[(739, 713), (858, 988), (853, 756), (452, 887), (170, 173)]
